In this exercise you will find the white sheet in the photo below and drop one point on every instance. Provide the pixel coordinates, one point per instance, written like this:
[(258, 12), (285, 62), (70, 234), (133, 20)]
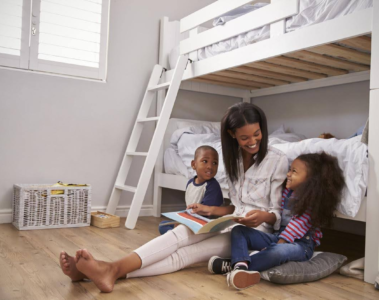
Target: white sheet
[(351, 155), (311, 12)]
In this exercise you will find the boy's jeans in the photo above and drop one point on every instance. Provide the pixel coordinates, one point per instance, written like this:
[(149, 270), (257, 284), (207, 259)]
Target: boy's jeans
[(271, 254)]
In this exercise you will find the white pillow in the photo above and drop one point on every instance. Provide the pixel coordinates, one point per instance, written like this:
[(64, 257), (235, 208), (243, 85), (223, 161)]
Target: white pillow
[(216, 126), (281, 134), (173, 56)]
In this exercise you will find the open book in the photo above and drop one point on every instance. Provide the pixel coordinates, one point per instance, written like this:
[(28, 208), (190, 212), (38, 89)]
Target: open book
[(199, 224)]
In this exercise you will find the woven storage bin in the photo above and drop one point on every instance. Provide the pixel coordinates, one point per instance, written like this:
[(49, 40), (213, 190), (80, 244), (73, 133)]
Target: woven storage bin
[(35, 207)]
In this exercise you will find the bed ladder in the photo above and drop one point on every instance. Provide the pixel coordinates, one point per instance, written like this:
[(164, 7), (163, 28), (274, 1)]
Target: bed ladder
[(156, 142)]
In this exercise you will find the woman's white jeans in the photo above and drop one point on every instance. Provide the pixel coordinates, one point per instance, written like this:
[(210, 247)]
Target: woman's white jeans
[(179, 248)]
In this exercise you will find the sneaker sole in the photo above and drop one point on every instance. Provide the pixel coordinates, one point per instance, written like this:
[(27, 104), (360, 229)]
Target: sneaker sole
[(243, 280), (210, 264)]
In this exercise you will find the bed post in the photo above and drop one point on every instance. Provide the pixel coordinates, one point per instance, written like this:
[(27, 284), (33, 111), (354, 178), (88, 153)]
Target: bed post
[(169, 36), (192, 33), (277, 28), (372, 211)]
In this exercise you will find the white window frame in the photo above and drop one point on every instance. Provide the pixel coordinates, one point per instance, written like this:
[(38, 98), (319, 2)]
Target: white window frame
[(28, 59), (21, 61)]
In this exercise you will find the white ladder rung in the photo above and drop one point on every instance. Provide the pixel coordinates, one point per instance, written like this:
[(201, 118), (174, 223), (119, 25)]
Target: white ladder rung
[(125, 188), (155, 145), (148, 119), (137, 153), (158, 87)]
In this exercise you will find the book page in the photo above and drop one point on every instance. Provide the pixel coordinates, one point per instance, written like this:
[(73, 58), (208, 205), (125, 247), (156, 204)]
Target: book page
[(200, 224)]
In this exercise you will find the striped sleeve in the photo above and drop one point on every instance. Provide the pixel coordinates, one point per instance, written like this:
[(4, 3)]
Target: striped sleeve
[(317, 235), (284, 195), (296, 228)]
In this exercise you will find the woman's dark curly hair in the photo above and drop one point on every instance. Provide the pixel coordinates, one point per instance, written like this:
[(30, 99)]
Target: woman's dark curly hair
[(237, 116), (322, 189)]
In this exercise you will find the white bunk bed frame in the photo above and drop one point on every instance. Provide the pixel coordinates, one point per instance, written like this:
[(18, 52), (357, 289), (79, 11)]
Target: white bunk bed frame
[(357, 24)]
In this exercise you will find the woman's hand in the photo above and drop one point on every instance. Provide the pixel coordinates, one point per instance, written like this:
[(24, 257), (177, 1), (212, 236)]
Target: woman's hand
[(253, 218), (200, 209)]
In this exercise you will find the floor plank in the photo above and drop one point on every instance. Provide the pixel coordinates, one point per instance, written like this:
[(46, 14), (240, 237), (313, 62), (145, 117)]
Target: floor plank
[(30, 269)]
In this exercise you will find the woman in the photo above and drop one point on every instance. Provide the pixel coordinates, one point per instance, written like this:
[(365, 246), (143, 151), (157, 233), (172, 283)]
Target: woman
[(255, 174)]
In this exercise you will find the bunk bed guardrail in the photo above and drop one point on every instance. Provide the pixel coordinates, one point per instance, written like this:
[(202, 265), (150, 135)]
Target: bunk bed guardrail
[(275, 13)]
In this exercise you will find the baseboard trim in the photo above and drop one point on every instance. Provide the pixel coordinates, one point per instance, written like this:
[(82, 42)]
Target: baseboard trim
[(122, 211), (5, 216)]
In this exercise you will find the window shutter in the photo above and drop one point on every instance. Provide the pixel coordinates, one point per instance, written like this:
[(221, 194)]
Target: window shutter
[(70, 37), (14, 33)]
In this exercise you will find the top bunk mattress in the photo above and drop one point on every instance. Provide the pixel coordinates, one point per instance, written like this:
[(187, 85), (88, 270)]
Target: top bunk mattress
[(310, 12)]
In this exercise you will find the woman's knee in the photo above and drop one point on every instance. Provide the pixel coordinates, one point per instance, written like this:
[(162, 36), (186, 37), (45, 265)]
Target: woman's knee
[(181, 232)]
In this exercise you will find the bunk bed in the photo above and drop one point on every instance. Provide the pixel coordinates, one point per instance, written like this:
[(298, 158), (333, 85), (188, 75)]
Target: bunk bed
[(341, 50)]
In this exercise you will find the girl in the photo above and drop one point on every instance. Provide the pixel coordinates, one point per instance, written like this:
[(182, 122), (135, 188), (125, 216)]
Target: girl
[(313, 189), (255, 174)]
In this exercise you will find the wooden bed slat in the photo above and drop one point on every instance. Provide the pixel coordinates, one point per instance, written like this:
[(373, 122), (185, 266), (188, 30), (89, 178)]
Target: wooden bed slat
[(286, 70), (306, 66), (269, 74), (239, 86), (343, 52), (330, 61), (237, 81), (311, 64), (250, 77), (360, 42)]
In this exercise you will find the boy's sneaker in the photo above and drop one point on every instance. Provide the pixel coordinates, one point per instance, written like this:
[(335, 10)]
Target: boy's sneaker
[(242, 279), (377, 282), (218, 265)]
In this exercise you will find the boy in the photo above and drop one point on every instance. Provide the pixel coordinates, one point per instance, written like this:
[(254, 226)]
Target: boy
[(203, 188)]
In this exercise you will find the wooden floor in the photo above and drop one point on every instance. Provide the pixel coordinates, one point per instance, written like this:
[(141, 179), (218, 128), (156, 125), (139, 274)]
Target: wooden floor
[(29, 269)]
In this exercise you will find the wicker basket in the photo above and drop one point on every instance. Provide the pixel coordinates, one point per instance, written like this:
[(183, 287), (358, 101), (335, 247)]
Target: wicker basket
[(39, 207)]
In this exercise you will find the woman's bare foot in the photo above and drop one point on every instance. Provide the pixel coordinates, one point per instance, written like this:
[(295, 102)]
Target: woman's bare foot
[(68, 266), (103, 274)]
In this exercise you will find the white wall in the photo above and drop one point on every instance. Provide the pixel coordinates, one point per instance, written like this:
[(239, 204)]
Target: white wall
[(55, 128), (340, 110)]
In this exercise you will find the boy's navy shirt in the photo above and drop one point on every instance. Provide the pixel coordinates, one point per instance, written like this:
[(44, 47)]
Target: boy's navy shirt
[(212, 195)]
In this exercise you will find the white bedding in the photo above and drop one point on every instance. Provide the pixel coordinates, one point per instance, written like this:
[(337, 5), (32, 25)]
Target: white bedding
[(311, 12), (351, 155)]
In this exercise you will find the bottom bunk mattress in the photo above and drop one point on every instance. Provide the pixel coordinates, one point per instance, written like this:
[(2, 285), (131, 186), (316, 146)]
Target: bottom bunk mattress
[(351, 155)]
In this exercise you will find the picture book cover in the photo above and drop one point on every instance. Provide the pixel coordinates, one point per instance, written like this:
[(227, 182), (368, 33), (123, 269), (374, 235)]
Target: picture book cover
[(200, 224)]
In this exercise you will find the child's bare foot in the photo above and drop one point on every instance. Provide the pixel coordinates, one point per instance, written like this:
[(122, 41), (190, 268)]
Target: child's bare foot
[(103, 274), (68, 266)]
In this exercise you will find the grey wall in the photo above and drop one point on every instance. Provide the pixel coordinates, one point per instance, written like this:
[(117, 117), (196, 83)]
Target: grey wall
[(340, 110), (54, 128)]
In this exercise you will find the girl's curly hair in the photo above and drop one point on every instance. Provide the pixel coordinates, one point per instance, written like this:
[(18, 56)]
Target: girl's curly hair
[(322, 189)]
